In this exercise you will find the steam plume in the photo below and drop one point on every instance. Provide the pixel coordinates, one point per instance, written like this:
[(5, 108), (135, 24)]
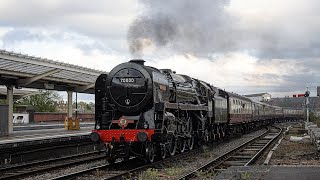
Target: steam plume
[(186, 26)]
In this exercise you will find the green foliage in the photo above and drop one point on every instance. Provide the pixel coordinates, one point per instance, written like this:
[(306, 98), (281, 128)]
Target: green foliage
[(150, 174), (206, 152), (84, 107), (205, 174), (174, 171), (88, 107), (3, 101), (44, 101), (99, 173), (245, 175), (314, 118)]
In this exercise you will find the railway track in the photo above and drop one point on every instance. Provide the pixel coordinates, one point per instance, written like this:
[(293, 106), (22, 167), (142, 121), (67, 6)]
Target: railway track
[(131, 169), (243, 155), (123, 170), (128, 170), (27, 169)]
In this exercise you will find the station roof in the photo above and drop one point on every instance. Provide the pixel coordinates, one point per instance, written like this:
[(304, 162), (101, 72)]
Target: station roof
[(22, 70)]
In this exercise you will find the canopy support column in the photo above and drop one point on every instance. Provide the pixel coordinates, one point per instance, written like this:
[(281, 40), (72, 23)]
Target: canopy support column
[(69, 113), (10, 104)]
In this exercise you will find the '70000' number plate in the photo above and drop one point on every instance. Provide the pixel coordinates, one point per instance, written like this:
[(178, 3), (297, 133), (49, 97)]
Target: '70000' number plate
[(127, 80)]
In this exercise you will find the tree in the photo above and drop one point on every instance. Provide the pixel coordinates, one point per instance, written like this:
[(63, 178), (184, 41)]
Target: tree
[(44, 101), (83, 107), (314, 118), (3, 101)]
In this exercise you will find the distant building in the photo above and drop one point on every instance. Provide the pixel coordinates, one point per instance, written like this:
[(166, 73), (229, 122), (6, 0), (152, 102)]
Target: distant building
[(262, 97), (297, 103)]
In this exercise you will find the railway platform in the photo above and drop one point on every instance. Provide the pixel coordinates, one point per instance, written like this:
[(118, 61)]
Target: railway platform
[(42, 136), (38, 126), (299, 172), (36, 145)]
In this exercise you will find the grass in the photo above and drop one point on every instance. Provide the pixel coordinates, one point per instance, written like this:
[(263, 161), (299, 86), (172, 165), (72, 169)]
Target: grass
[(314, 118), (245, 175), (205, 174), (99, 173), (174, 171), (206, 152), (150, 174)]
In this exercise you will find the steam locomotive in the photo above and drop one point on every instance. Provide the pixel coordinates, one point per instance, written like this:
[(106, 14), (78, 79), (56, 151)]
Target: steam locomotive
[(147, 112)]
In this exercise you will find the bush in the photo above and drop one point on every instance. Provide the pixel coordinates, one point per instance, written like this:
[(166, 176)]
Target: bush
[(314, 118), (151, 174)]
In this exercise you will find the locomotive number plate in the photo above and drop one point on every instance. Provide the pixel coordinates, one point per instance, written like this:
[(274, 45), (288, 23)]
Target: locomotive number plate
[(127, 80)]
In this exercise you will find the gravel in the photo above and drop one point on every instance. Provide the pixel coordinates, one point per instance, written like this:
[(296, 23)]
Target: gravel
[(295, 153), (173, 171), (252, 172), (64, 171), (289, 154)]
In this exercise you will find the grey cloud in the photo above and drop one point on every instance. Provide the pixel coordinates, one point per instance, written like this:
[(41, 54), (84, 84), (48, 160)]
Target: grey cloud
[(97, 19), (288, 83), (85, 44), (19, 35)]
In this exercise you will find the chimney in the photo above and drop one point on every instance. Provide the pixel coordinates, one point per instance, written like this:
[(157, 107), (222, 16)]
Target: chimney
[(138, 61)]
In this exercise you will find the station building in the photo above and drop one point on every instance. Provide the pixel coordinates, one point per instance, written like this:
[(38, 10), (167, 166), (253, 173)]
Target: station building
[(261, 97)]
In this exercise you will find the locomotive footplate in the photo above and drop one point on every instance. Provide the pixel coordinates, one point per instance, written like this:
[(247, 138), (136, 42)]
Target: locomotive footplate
[(126, 135)]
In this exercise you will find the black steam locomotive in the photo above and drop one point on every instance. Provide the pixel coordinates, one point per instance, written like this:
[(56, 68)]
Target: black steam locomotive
[(148, 112)]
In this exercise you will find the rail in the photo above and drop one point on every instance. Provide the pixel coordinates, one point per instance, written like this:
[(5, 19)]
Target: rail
[(27, 169), (223, 161)]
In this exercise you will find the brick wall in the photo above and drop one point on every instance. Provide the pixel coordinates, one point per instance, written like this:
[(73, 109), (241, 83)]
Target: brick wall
[(59, 117)]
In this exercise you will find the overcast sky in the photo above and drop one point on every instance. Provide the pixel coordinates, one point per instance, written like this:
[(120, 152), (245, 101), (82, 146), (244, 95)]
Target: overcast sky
[(243, 46)]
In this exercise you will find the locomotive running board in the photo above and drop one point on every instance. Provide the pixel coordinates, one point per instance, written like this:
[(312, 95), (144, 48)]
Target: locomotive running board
[(182, 106)]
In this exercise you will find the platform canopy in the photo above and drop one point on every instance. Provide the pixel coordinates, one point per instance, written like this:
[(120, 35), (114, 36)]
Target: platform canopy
[(22, 70)]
